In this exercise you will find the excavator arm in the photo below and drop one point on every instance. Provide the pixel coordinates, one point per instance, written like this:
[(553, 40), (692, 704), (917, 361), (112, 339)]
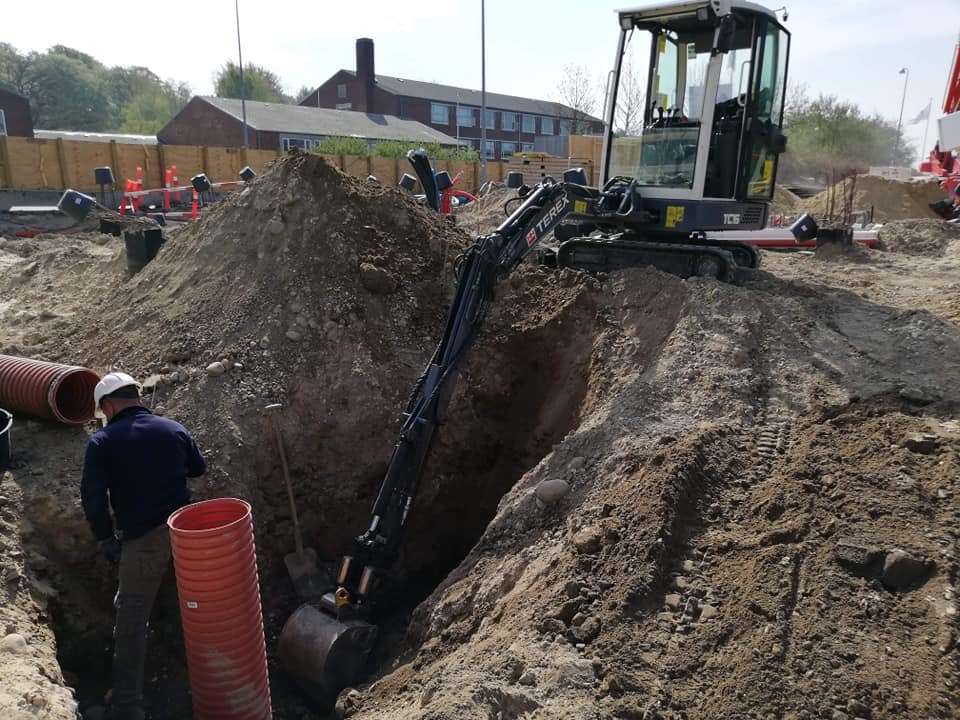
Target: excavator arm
[(325, 645)]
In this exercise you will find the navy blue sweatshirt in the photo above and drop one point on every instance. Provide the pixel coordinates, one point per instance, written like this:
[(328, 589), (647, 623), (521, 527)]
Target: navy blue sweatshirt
[(142, 461)]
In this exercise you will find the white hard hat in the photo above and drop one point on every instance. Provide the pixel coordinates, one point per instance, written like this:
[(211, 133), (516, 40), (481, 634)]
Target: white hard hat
[(112, 382)]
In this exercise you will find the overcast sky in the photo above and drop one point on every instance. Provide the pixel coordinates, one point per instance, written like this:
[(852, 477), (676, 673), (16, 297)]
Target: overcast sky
[(850, 48)]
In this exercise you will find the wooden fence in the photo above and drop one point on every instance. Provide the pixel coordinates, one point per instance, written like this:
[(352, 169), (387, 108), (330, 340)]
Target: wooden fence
[(35, 164)]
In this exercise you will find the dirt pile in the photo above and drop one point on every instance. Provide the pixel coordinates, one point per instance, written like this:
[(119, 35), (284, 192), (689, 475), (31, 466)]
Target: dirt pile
[(927, 238), (889, 199), (784, 202), (487, 213), (689, 550), (651, 498)]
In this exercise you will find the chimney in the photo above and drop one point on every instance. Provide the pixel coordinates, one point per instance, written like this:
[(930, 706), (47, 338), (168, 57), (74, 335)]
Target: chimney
[(365, 71)]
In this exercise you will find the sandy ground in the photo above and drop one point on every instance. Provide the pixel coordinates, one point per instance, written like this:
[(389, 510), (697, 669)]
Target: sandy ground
[(654, 498)]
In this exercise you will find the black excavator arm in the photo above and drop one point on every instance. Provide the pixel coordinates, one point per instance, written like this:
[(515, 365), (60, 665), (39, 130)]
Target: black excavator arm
[(324, 646), (491, 258)]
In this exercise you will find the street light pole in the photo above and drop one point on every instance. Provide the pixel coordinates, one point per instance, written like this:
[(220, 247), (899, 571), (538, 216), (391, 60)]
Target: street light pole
[(483, 93), (243, 89), (906, 73)]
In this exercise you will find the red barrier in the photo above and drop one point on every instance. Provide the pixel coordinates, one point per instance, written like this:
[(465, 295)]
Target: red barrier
[(215, 561), (47, 390)]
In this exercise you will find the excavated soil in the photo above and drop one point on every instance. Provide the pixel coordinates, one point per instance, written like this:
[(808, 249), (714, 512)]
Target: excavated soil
[(652, 497), (926, 238), (485, 215), (889, 199)]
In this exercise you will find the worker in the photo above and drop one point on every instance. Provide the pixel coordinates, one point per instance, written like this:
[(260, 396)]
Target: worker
[(140, 462)]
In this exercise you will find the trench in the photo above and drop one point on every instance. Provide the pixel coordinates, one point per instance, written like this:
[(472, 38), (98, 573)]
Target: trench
[(518, 398)]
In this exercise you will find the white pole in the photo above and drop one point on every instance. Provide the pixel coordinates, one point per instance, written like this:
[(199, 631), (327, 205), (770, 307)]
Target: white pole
[(243, 89), (926, 130), (906, 79), (483, 93)]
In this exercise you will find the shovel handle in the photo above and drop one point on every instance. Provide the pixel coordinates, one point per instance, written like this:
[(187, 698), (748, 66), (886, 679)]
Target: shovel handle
[(297, 540)]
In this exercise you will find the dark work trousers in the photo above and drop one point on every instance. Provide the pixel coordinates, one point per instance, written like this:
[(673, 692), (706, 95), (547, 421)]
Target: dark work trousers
[(143, 563)]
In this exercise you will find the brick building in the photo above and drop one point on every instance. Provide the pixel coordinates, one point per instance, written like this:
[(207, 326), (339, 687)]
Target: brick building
[(217, 122), (513, 123), (15, 116)]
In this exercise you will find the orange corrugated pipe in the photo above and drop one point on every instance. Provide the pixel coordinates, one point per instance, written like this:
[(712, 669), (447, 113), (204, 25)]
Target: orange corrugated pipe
[(47, 390), (215, 561)]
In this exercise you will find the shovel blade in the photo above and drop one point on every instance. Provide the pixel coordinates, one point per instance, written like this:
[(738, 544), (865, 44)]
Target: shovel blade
[(324, 654), (302, 569)]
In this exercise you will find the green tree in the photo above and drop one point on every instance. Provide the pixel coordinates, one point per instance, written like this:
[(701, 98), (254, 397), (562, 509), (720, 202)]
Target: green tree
[(828, 135), (152, 107), (258, 82)]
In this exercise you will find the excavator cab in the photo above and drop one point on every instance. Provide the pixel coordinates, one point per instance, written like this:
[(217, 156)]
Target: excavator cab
[(694, 111)]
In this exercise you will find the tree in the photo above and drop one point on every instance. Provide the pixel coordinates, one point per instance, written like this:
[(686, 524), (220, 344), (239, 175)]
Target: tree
[(631, 97), (828, 135), (303, 93), (153, 106), (576, 90), (258, 82)]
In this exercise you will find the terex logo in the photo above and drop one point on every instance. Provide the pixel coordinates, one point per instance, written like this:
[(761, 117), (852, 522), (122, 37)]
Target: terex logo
[(731, 218), (547, 219)]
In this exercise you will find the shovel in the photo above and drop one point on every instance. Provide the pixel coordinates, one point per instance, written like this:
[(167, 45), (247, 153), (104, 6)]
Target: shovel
[(302, 563)]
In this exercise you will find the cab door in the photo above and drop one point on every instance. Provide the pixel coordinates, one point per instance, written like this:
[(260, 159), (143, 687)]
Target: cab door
[(763, 132)]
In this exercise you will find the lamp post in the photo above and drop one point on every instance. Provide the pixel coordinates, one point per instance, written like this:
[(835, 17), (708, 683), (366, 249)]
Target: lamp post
[(906, 73), (243, 89)]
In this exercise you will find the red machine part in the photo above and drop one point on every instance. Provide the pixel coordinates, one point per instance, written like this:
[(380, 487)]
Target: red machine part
[(446, 197), (47, 390), (215, 561), (944, 163)]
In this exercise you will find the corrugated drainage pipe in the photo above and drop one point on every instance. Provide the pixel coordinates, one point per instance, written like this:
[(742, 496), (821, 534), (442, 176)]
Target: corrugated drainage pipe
[(215, 561), (47, 390)]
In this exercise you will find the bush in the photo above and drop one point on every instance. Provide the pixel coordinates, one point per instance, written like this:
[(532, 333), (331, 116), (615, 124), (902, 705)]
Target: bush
[(342, 146), (391, 149)]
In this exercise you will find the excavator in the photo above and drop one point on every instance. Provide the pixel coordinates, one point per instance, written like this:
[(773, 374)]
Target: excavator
[(704, 158)]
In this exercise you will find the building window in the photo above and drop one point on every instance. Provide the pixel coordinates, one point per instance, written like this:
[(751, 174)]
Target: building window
[(3, 123), (507, 149), (491, 153), (465, 117), (341, 91), (508, 121), (344, 106), (566, 126), (475, 144), (529, 124), (303, 143), (490, 120), (439, 114), (527, 147), (546, 126)]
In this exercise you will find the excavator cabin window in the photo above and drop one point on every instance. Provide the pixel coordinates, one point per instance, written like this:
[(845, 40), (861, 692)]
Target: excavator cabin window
[(657, 125)]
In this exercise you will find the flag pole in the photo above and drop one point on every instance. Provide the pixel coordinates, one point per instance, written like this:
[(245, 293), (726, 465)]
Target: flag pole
[(926, 129)]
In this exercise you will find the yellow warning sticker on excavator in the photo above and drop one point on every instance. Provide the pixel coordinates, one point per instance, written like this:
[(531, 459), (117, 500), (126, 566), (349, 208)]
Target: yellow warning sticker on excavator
[(580, 207), (674, 215)]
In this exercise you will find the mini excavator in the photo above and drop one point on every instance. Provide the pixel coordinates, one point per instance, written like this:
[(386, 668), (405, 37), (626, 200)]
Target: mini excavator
[(703, 158)]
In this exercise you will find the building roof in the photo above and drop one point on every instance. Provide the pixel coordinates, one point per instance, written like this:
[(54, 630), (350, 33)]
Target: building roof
[(301, 120), (122, 138), (465, 96)]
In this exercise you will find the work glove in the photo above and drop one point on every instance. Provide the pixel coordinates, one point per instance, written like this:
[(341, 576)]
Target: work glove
[(110, 549)]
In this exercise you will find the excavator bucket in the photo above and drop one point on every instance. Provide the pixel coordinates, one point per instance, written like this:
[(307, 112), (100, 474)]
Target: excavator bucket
[(322, 653)]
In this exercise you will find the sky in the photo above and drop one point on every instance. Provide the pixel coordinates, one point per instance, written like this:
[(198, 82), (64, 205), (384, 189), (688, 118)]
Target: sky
[(850, 48)]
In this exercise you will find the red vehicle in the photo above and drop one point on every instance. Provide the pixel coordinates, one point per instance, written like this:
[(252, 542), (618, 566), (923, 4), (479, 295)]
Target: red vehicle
[(943, 161)]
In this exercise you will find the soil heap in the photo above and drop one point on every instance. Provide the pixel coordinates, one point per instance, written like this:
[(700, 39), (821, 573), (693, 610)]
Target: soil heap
[(926, 238), (487, 213), (784, 202), (890, 199), (651, 498)]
